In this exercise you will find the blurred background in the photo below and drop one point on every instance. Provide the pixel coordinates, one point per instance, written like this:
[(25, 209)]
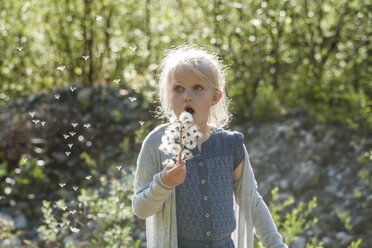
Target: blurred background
[(77, 96)]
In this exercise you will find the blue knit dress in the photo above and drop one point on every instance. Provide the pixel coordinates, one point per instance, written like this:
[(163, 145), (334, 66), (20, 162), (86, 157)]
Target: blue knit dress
[(204, 202)]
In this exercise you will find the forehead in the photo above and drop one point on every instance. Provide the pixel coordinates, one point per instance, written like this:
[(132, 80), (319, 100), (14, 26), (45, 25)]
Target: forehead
[(185, 74)]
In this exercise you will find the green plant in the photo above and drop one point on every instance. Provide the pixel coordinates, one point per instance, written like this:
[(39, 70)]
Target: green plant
[(291, 223), (355, 244), (140, 134), (313, 54), (7, 234), (266, 103), (99, 217), (345, 218), (30, 171)]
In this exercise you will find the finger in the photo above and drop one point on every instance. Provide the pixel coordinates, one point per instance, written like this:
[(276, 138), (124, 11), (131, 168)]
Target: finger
[(183, 165), (182, 171), (175, 169), (170, 166)]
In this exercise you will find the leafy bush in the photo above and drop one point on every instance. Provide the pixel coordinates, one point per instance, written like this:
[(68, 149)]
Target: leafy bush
[(99, 217), (292, 220), (314, 54), (266, 103), (292, 223), (31, 171)]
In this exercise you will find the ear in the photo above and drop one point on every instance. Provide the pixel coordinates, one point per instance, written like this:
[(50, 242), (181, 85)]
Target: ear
[(216, 97)]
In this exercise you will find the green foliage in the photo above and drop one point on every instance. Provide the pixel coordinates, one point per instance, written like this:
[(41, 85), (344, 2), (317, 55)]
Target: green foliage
[(296, 220), (142, 132), (345, 218), (314, 244), (44, 178), (31, 171), (99, 217), (3, 170), (7, 232), (266, 103), (311, 53), (87, 159), (356, 244), (125, 145)]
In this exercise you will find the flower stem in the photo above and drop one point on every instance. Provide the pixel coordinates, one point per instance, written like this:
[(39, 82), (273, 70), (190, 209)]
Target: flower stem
[(193, 157), (180, 154)]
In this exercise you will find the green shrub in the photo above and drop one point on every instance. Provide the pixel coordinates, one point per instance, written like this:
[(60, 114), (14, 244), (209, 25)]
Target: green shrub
[(100, 217), (30, 171), (266, 103), (314, 54), (292, 223)]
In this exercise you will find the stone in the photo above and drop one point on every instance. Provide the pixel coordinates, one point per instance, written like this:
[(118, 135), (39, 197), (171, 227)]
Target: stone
[(299, 243), (59, 156), (307, 177), (84, 96), (309, 139), (327, 241), (20, 222), (6, 220), (11, 242), (284, 184), (69, 238), (344, 238)]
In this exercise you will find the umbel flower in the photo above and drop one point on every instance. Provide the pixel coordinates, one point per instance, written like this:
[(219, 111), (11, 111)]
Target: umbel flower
[(180, 138)]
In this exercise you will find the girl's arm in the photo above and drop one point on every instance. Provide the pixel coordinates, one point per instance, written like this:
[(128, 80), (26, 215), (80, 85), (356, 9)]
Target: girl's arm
[(245, 191), (150, 192), (238, 172), (264, 225)]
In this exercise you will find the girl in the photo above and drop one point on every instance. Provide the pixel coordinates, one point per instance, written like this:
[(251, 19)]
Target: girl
[(210, 200)]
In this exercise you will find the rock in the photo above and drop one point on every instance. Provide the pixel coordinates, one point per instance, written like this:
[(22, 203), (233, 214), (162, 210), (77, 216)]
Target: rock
[(11, 242), (69, 238), (251, 130), (59, 156), (309, 139), (284, 184), (6, 220), (284, 196), (344, 238), (277, 148), (299, 243), (285, 131), (20, 222), (85, 96), (327, 241), (308, 176)]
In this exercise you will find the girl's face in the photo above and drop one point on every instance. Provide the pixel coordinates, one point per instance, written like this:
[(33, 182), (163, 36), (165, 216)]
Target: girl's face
[(189, 92)]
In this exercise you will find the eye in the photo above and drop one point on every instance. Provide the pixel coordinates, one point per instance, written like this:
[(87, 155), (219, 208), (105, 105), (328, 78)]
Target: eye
[(178, 88), (198, 87)]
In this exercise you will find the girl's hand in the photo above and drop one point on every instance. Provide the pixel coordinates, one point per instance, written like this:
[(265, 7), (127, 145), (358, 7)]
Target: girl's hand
[(174, 175)]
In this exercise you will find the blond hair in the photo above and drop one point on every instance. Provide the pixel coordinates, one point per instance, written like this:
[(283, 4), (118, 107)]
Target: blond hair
[(204, 64)]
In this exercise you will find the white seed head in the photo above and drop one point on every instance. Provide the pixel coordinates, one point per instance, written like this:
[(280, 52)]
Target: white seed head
[(191, 144), (186, 117), (175, 149), (168, 162), (186, 154), (172, 140), (164, 148), (172, 133)]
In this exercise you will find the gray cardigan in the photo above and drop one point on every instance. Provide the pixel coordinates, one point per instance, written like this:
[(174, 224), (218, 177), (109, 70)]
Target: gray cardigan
[(156, 202)]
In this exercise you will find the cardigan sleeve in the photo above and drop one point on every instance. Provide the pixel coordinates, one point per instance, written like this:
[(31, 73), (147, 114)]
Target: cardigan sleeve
[(264, 225), (252, 214), (150, 192)]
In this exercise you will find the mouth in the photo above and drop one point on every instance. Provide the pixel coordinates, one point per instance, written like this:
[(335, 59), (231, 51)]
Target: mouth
[(190, 110)]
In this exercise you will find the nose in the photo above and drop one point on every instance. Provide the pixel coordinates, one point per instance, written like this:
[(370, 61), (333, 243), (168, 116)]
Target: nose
[(187, 97)]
